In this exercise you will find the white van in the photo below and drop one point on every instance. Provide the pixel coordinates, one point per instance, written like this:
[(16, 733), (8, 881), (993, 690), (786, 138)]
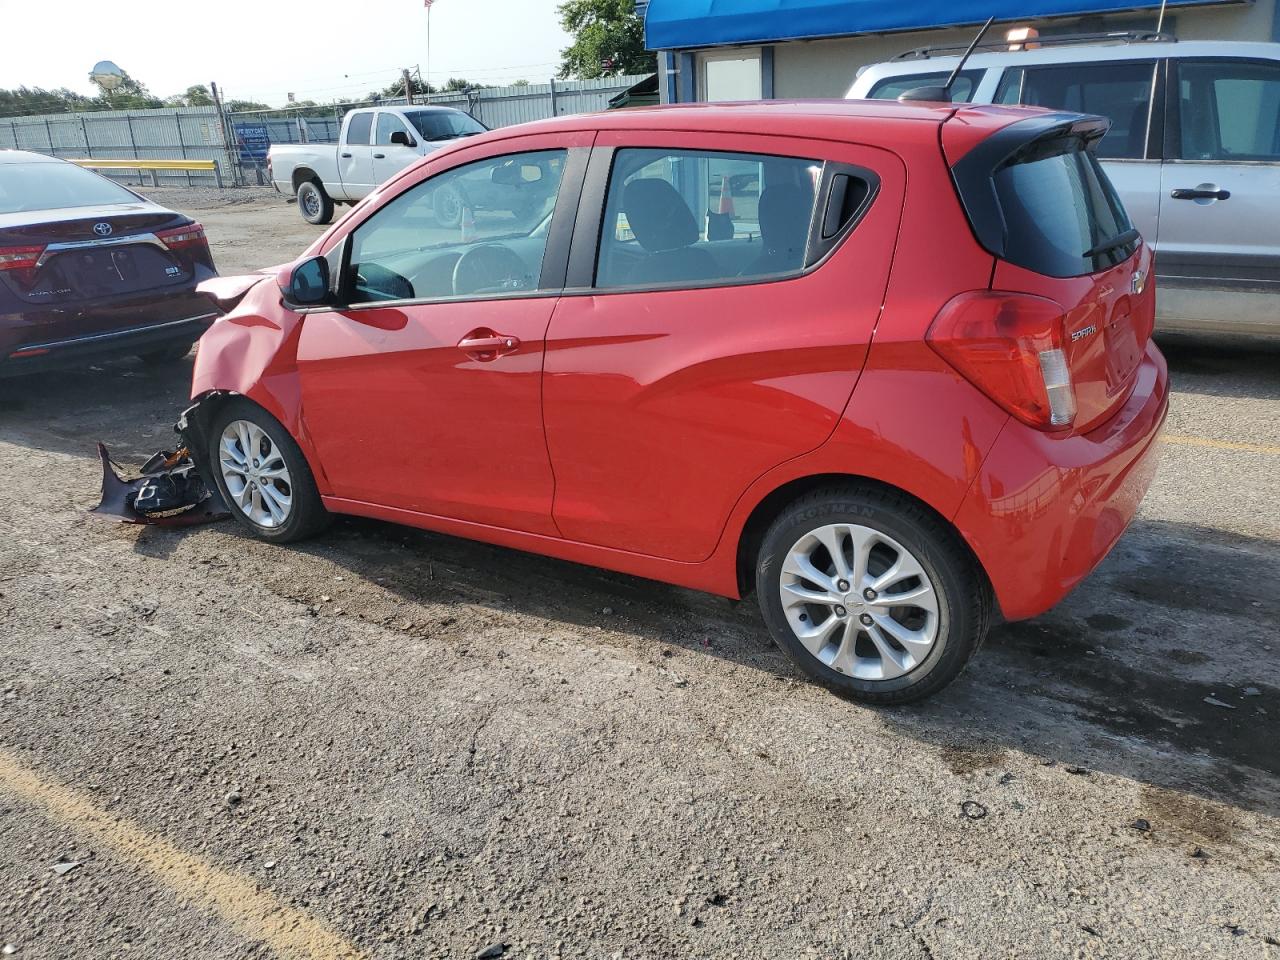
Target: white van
[(1194, 151)]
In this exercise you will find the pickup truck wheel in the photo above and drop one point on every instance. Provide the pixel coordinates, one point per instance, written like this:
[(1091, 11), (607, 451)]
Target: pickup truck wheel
[(447, 203), (314, 204)]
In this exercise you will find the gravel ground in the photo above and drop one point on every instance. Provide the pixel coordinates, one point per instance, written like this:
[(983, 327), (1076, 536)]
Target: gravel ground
[(390, 744)]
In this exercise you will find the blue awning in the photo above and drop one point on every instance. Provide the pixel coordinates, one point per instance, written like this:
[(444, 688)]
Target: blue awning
[(681, 24)]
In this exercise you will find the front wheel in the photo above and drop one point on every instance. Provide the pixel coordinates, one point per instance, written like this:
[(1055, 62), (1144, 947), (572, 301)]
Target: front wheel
[(262, 475), (314, 204), (871, 595)]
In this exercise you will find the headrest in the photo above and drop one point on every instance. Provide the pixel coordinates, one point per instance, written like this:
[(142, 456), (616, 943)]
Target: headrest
[(784, 214), (658, 216)]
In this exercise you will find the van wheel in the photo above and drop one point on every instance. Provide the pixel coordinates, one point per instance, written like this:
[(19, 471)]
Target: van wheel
[(262, 475), (314, 204), (871, 595)]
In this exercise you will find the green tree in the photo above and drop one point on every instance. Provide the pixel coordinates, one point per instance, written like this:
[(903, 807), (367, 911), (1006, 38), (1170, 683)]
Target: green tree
[(236, 106), (608, 39), (131, 94)]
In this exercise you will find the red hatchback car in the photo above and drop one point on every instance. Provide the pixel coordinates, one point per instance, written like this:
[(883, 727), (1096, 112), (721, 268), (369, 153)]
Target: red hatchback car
[(889, 365)]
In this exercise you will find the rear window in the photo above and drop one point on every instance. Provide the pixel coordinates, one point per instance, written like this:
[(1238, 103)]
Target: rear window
[(55, 186), (961, 91), (1058, 205)]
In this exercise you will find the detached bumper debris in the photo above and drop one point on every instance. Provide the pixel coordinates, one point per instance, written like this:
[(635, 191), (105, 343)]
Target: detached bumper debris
[(168, 492)]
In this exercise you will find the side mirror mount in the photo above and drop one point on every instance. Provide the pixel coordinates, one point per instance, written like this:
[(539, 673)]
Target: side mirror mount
[(402, 138), (309, 283)]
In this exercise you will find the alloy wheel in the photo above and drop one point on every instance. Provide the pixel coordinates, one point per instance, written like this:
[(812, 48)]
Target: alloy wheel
[(859, 601), (255, 473)]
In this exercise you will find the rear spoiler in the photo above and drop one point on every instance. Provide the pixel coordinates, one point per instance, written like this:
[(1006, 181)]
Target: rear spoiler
[(974, 173)]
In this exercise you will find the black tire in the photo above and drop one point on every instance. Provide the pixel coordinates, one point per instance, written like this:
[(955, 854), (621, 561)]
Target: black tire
[(314, 204), (963, 596), (307, 515), (163, 355), (447, 204)]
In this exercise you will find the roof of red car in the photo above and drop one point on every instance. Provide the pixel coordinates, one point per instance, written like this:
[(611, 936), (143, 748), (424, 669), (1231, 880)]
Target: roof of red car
[(823, 119)]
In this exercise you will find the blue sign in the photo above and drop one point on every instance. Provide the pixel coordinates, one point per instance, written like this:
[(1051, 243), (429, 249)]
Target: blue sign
[(252, 140)]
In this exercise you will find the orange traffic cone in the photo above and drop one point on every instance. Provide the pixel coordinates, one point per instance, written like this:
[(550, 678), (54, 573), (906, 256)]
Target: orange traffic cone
[(468, 225), (726, 198)]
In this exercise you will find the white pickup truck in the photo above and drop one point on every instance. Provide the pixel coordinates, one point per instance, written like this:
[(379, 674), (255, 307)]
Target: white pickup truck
[(375, 144)]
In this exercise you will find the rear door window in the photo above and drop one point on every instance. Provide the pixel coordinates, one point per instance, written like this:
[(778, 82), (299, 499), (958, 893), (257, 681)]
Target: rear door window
[(359, 128), (1229, 110), (1119, 91), (694, 217), (961, 91), (1058, 205)]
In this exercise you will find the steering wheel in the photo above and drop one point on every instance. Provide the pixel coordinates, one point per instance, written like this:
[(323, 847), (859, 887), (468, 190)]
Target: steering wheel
[(489, 268)]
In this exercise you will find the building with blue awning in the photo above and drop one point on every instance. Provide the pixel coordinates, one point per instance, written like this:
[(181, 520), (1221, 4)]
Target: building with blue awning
[(754, 49)]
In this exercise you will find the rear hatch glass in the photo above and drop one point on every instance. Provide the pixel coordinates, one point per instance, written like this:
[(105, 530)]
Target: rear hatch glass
[(1061, 233)]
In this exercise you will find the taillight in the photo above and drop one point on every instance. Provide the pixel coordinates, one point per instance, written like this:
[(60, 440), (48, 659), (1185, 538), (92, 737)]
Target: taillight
[(1012, 347), (179, 237), (19, 258)]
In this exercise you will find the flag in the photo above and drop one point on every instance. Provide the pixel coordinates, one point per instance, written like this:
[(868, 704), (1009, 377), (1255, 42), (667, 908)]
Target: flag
[(427, 3)]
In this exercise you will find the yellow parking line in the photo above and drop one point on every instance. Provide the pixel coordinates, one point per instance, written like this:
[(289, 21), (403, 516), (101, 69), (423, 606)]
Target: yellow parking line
[(1220, 444), (291, 933)]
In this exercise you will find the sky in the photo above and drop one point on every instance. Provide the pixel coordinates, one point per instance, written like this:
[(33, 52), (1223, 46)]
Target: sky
[(264, 49)]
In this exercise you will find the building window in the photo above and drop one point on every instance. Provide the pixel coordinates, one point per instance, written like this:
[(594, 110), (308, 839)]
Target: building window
[(730, 75)]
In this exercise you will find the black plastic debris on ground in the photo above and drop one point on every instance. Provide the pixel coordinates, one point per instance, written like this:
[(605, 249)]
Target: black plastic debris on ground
[(168, 492)]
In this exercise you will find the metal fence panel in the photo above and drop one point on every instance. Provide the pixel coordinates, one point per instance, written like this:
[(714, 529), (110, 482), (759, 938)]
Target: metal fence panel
[(167, 134), (198, 132)]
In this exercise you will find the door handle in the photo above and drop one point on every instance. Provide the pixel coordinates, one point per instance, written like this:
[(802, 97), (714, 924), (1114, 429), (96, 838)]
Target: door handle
[(486, 345), (379, 156), (1199, 193), (346, 156)]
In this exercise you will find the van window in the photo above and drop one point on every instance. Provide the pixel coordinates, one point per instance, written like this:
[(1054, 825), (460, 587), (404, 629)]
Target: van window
[(359, 127), (961, 91), (1058, 205), (1120, 92), (695, 217), (1229, 110)]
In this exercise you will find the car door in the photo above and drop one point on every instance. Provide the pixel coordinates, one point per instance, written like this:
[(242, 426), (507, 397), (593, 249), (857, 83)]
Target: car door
[(355, 156), (423, 391), (390, 158), (1219, 250), (1124, 91), (718, 335)]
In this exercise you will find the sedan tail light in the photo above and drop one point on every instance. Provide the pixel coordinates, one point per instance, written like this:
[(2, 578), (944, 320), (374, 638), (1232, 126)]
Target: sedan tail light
[(19, 258), (190, 235), (1012, 347)]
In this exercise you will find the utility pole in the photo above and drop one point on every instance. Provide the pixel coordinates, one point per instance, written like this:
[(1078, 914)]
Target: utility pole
[(408, 88), (228, 135)]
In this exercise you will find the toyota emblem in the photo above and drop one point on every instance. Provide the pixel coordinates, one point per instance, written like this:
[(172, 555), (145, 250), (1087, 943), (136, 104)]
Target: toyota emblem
[(102, 229)]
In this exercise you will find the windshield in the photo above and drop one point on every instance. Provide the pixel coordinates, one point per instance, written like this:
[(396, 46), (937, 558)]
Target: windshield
[(444, 125), (55, 186)]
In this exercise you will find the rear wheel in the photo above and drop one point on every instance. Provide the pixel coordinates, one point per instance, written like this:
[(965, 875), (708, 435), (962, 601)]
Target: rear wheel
[(262, 474), (871, 595), (314, 204), (447, 204)]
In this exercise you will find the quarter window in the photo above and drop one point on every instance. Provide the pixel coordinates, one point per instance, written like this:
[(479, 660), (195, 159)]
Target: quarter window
[(1119, 91), (1229, 110), (696, 217), (479, 230)]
